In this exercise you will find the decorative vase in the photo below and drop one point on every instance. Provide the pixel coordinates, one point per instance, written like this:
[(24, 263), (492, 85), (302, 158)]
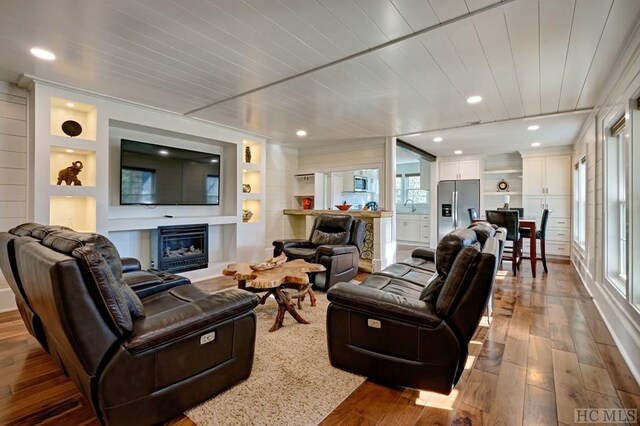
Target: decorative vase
[(247, 154), (307, 202), (246, 215), (246, 188)]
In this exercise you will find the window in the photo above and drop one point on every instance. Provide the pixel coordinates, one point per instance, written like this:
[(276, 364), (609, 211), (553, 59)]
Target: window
[(138, 186), (408, 188), (617, 172), (579, 201)]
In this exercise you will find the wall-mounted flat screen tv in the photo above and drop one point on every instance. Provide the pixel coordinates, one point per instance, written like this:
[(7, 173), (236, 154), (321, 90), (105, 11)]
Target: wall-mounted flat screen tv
[(162, 175)]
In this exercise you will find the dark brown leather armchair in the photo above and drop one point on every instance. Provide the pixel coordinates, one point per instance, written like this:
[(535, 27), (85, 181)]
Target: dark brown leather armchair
[(409, 325), (335, 242), (136, 360)]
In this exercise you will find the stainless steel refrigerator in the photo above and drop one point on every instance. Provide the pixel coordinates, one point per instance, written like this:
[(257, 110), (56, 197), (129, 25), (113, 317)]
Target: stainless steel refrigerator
[(455, 197)]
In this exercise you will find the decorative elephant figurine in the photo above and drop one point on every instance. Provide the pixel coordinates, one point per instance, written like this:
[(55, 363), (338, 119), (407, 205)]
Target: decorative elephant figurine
[(70, 174)]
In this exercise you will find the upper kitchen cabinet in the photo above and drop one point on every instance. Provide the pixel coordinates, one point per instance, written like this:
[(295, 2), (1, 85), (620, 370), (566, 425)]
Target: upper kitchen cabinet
[(455, 170), (548, 175)]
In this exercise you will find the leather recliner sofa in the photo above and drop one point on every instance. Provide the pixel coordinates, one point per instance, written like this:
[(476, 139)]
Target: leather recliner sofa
[(335, 242), (136, 360), (410, 325)]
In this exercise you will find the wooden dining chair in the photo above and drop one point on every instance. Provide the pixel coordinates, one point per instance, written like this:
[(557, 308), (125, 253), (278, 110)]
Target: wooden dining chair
[(509, 219)]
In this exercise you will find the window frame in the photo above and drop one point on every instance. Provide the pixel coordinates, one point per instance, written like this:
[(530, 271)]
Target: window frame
[(616, 170), (580, 203)]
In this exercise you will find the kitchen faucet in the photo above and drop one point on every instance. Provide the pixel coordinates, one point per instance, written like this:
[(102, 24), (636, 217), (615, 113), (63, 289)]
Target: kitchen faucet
[(413, 208)]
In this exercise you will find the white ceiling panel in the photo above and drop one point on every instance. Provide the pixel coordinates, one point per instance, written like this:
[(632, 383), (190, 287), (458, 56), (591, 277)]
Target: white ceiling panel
[(588, 25), (556, 19), (418, 13), (449, 9), (522, 26), (341, 69), (624, 13), (494, 38)]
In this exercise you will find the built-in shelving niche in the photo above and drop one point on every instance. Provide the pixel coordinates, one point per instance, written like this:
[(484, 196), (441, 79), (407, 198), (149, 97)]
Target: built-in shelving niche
[(68, 109), (76, 212)]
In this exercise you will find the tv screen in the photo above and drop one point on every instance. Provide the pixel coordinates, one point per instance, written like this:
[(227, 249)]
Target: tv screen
[(162, 175)]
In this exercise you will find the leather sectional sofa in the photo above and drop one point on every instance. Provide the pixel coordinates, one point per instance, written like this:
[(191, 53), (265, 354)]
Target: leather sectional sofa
[(410, 325), (137, 360)]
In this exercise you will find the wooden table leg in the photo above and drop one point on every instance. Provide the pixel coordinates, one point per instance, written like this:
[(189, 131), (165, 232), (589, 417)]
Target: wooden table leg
[(312, 297), (532, 244), (284, 304)]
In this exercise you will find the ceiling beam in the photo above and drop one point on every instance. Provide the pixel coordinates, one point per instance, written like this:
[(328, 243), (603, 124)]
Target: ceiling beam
[(358, 54), (507, 120)]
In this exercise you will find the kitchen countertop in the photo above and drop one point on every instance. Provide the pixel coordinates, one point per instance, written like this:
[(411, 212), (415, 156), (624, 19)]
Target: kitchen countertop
[(354, 213)]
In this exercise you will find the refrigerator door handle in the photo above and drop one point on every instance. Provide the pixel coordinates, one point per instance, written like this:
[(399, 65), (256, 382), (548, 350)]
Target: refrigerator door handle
[(455, 209)]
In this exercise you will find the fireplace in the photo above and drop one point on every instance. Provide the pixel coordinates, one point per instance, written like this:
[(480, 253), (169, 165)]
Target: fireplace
[(180, 248)]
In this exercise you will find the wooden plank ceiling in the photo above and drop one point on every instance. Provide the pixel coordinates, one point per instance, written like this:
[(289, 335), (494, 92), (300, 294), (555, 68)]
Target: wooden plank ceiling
[(368, 68)]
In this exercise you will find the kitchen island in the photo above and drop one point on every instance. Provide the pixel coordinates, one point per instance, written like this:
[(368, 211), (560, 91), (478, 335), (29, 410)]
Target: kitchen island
[(378, 250)]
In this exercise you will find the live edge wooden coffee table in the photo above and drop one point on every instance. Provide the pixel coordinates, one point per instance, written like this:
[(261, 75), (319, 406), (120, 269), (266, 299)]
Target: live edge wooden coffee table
[(286, 282)]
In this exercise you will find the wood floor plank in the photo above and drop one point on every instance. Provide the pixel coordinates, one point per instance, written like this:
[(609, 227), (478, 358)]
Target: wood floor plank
[(499, 329), (585, 347), (480, 389), (508, 404), (404, 410), (597, 379), (561, 337), (569, 390), (490, 357), (540, 363), (517, 345), (539, 407), (629, 400), (466, 415), (600, 332), (618, 371)]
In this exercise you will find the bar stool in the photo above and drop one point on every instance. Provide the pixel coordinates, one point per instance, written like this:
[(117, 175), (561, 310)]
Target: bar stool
[(509, 219), (540, 235)]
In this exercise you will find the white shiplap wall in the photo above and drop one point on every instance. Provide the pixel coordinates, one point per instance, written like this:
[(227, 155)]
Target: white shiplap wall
[(13, 167), (282, 165), (620, 317)]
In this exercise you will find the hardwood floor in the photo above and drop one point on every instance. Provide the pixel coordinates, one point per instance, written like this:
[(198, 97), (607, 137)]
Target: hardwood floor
[(546, 352)]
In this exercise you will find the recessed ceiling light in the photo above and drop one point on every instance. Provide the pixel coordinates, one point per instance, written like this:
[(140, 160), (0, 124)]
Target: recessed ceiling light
[(70, 104), (474, 99), (412, 135), (535, 144), (42, 54), (70, 151), (457, 152), (438, 139), (163, 152), (301, 133), (533, 127)]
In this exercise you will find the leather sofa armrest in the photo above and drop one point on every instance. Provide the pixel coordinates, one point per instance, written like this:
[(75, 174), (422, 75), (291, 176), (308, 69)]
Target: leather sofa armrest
[(424, 253), (378, 302), (334, 250), (130, 264), (178, 322)]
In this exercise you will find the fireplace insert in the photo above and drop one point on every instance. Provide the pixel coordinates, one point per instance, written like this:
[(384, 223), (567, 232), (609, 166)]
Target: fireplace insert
[(180, 248)]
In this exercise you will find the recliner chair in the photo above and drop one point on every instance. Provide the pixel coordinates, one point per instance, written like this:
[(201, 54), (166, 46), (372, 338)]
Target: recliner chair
[(404, 327), (335, 242), (136, 360)]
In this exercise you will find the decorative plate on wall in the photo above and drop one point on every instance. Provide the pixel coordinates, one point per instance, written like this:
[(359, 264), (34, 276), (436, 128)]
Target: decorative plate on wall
[(71, 128), (503, 185)]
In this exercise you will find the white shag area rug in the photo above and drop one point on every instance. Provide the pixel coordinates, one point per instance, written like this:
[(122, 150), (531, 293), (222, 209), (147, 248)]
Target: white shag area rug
[(292, 382)]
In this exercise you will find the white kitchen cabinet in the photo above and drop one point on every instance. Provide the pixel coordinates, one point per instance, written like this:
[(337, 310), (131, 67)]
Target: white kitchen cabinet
[(546, 184), (546, 175), (465, 169), (413, 228)]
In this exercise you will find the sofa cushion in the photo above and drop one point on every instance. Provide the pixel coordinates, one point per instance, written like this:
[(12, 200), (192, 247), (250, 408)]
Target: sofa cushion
[(134, 304), (449, 247), (432, 290), (98, 273), (305, 253), (320, 237), (331, 230), (25, 229), (457, 281), (36, 230)]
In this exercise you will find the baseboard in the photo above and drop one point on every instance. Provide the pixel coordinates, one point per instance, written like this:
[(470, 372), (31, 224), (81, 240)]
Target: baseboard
[(7, 300), (627, 334)]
